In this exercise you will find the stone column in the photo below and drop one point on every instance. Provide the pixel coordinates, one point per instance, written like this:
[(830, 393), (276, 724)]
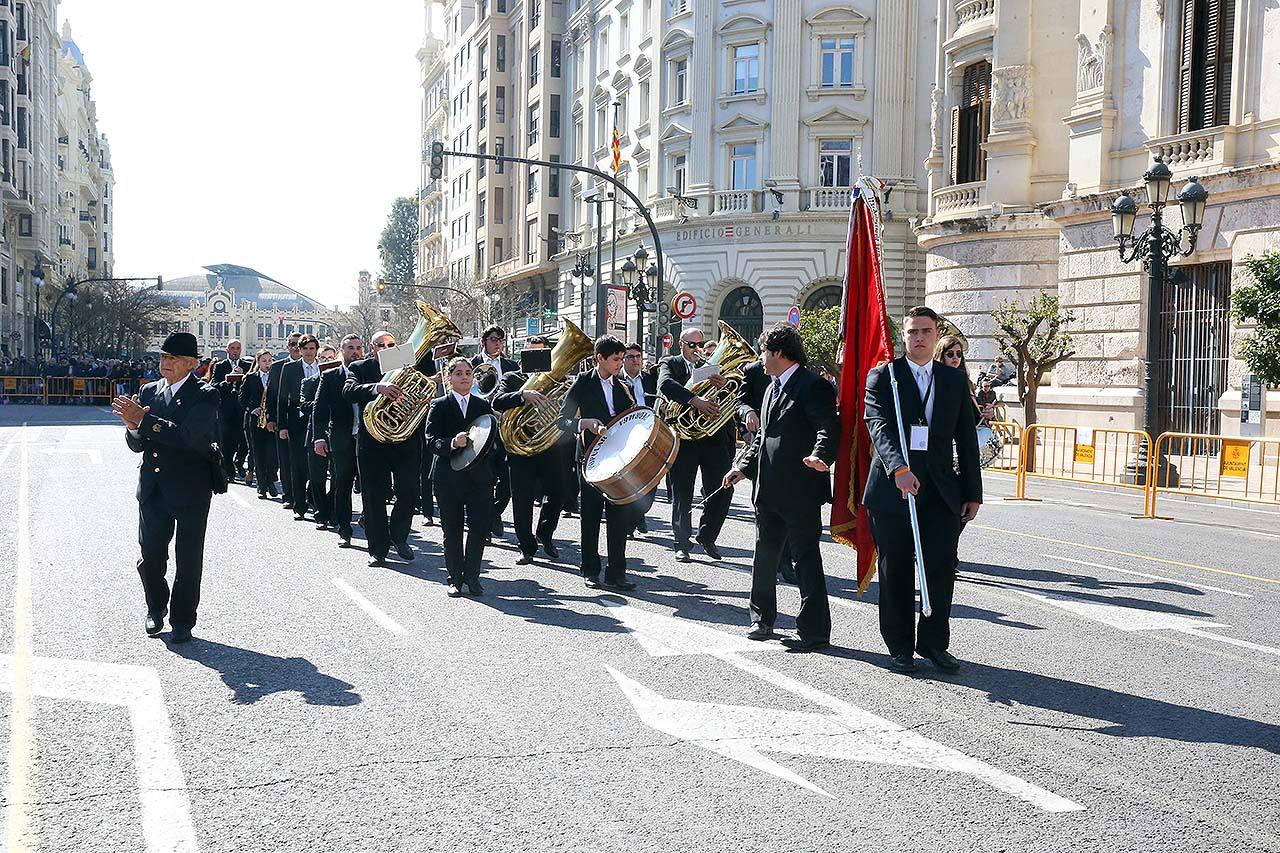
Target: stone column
[(704, 76), (784, 92)]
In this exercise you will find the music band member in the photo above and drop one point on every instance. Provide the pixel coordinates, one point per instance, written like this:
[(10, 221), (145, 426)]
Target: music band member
[(594, 399), (464, 496), (644, 389), (494, 340), (384, 467), (755, 381), (532, 476), (937, 412), (789, 459), (334, 427), (290, 423), (173, 423), (282, 468), (226, 377), (712, 456), (253, 400), (317, 466)]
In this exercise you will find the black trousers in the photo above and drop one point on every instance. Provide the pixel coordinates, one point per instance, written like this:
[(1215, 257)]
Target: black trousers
[(572, 483), (617, 519), (157, 523), (798, 525), (284, 468), (532, 477), (318, 484), (713, 458), (465, 503), (427, 472), (501, 487), (939, 537), (250, 454), (264, 459), (231, 440), (299, 469), (384, 468), (342, 466)]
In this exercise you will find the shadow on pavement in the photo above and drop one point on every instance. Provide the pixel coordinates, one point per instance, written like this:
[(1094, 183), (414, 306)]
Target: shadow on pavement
[(253, 675), (1000, 576), (534, 602)]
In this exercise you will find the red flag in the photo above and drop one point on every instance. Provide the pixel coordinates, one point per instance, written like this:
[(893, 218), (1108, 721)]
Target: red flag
[(866, 343)]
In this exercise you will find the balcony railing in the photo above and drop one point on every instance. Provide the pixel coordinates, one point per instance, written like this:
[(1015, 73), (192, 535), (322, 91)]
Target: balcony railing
[(1198, 150), (427, 230), (968, 11), (830, 198), (736, 201), (959, 198)]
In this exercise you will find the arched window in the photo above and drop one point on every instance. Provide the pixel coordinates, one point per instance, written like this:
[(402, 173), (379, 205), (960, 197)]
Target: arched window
[(742, 310), (824, 297)]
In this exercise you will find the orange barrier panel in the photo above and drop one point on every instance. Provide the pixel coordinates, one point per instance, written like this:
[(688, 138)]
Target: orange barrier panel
[(1242, 469), (89, 389), (27, 389), (1109, 456), (1009, 459)]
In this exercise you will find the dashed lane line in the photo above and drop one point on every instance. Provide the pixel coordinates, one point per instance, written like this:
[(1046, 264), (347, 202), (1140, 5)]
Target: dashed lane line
[(369, 607), (18, 835)]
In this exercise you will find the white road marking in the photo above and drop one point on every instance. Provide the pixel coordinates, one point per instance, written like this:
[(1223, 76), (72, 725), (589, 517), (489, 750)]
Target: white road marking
[(1145, 575), (162, 789), (95, 455), (368, 607), (1133, 619), (743, 733), (231, 493), (6, 450), (21, 746)]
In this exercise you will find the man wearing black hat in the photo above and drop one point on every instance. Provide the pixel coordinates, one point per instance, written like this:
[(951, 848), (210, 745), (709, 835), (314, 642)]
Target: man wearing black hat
[(173, 423)]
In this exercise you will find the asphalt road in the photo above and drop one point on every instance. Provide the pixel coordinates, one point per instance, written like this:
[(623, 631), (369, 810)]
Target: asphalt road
[(1120, 688)]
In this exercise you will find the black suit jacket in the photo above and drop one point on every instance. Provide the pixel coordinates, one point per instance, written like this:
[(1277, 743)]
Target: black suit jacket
[(444, 422), (508, 396), (586, 400), (251, 393), (288, 410), (952, 422), (229, 392), (800, 422), (754, 383), (332, 418), (273, 394), (307, 404), (649, 381), (673, 374), (175, 442), (509, 365)]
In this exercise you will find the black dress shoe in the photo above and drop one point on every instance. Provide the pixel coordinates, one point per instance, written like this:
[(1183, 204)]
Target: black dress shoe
[(682, 556), (621, 586), (788, 575), (299, 516), (376, 561), (943, 660), (475, 588), (798, 644), (591, 582), (154, 623), (711, 550), (760, 631), (902, 663), (180, 635), (263, 496), (404, 551), (344, 542), (323, 525), (642, 527), (454, 591), (287, 504), (525, 560), (549, 547)]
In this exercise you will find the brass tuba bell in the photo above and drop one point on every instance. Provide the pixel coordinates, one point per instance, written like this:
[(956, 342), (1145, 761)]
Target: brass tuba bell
[(391, 421), (528, 430), (732, 354)]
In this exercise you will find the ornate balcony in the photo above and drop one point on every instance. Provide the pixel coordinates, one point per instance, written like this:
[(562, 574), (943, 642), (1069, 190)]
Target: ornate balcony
[(971, 11), (830, 198), (960, 200), (736, 202), (1200, 152)]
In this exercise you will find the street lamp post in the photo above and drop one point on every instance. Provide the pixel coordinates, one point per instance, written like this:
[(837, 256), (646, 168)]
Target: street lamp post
[(37, 280), (1155, 247), (640, 276), (582, 274), (602, 295)]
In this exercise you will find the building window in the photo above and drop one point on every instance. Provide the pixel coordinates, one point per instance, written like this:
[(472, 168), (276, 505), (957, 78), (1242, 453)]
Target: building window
[(484, 9), (480, 201), (679, 81), (553, 120), (743, 166), (533, 185), (835, 163), (837, 62), (828, 296), (970, 124), (499, 148), (679, 7), (24, 223), (484, 61), (502, 5), (531, 241), (261, 333), (482, 109), (500, 104), (533, 124), (553, 179), (556, 59), (482, 166), (497, 205), (1204, 73), (237, 330), (602, 126), (200, 326), (500, 52), (602, 49), (480, 257), (679, 172), (553, 234), (644, 101), (746, 69), (535, 14), (624, 31), (743, 311), (535, 59)]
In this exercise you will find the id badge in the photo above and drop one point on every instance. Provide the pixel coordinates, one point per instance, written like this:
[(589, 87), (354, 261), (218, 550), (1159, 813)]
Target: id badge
[(919, 437)]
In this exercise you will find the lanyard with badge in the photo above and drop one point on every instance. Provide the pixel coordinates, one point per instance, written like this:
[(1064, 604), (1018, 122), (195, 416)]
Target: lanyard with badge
[(920, 431)]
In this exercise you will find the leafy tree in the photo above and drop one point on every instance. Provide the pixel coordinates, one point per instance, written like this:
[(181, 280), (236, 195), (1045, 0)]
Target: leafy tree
[(397, 253), (820, 331), (1259, 301), (1034, 338)]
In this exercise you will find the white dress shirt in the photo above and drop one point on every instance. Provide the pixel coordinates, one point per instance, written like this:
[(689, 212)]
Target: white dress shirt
[(309, 370), (463, 400), (924, 384), (606, 382), (496, 361), (637, 386)]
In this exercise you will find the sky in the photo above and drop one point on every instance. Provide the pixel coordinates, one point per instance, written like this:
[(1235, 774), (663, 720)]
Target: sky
[(274, 134)]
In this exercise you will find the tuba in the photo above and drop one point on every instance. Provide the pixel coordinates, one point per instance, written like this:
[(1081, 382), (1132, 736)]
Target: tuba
[(527, 430), (732, 354), (391, 421)]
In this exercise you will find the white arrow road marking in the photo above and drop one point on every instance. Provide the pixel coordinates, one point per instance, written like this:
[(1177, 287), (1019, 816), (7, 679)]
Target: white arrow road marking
[(1145, 575), (1134, 619), (369, 607), (162, 790), (95, 455), (742, 733)]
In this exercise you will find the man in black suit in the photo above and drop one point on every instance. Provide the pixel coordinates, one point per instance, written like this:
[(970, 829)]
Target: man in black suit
[(789, 459), (494, 341), (594, 399), (755, 382), (231, 434), (333, 435), (644, 389), (317, 466), (937, 412), (173, 423), (275, 425), (293, 421), (384, 467), (534, 475), (713, 455)]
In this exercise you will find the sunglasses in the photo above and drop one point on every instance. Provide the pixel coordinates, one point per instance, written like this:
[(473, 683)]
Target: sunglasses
[(695, 344), (955, 353), (382, 346)]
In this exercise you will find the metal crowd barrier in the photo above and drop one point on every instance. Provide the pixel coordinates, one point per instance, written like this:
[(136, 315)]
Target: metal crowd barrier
[(1242, 469), (1109, 456), (63, 389), (1012, 438)]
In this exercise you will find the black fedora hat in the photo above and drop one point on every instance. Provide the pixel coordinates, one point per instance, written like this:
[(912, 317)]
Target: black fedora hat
[(181, 343)]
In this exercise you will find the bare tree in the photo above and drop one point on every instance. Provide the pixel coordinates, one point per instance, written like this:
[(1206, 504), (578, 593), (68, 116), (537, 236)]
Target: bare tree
[(113, 318)]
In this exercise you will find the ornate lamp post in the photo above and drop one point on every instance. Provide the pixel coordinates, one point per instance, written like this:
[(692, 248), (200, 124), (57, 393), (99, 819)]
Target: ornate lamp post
[(1155, 247), (582, 274), (640, 276)]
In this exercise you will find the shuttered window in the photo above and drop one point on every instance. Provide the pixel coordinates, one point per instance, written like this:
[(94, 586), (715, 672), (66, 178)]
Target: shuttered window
[(1204, 68), (970, 124)]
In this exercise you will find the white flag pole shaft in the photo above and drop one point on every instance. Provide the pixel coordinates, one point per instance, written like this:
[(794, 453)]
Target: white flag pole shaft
[(925, 607)]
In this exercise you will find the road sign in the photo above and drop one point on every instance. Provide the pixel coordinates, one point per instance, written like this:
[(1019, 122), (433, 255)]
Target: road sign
[(793, 317), (616, 305), (532, 325), (667, 341), (684, 305)]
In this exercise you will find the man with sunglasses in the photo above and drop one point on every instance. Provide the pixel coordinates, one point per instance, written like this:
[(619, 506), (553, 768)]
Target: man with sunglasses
[(385, 468), (494, 340), (644, 388), (712, 456), (274, 423)]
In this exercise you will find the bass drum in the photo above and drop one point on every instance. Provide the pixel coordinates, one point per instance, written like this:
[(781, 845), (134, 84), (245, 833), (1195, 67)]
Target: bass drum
[(632, 457)]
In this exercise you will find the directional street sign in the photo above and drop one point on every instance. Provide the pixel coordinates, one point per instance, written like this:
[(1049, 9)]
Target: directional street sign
[(684, 305)]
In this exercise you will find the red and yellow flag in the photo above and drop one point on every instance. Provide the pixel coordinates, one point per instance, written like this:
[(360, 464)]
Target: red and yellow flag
[(865, 343), (617, 147)]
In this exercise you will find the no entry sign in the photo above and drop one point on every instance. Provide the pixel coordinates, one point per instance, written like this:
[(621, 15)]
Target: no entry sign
[(684, 305)]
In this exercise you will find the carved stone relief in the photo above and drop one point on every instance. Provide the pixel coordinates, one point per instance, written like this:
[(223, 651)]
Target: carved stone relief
[(1091, 66), (1010, 93)]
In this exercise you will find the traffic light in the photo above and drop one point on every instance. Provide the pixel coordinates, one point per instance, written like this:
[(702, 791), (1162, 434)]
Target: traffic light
[(437, 160), (159, 282), (382, 286)]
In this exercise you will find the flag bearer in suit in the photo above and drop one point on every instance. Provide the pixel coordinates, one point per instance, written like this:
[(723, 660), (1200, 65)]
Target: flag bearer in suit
[(334, 427), (173, 423), (464, 496)]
